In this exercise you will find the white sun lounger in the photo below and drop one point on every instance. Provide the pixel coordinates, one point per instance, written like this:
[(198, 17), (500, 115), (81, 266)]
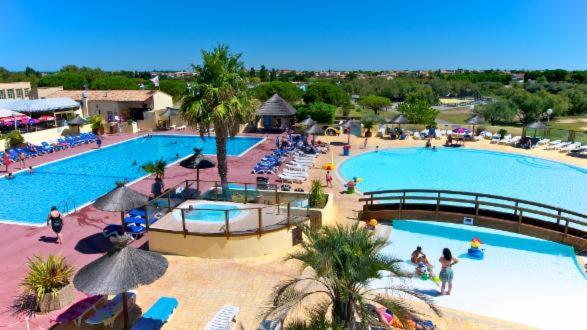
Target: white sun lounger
[(295, 173), (570, 147), (506, 139), (292, 179), (495, 138), (514, 140), (416, 136), (297, 168), (543, 141), (223, 318), (557, 146)]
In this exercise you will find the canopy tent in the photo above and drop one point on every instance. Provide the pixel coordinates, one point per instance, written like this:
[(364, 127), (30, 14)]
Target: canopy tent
[(122, 269)]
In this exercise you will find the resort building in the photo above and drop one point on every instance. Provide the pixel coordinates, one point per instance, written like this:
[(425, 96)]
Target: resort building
[(277, 114), (43, 92), (15, 90)]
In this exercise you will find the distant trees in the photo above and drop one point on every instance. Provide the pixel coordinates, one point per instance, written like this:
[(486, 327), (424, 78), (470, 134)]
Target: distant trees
[(263, 73), (577, 97), (174, 87), (114, 82), (319, 112), (287, 90), (502, 111), (375, 103), (418, 112), (326, 92)]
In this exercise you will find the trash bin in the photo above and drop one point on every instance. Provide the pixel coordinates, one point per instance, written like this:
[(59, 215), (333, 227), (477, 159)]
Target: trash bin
[(346, 150)]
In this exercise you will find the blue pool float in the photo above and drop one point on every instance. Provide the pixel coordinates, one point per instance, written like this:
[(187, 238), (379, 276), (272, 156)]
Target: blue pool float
[(476, 253)]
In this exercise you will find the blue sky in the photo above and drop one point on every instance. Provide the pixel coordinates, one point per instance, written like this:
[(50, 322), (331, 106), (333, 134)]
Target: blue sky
[(318, 34)]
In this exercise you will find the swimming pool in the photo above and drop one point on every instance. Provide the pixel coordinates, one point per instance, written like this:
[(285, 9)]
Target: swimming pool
[(521, 279), (212, 212), (81, 179), (470, 170)]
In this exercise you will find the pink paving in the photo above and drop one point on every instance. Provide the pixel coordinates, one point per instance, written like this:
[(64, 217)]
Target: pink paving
[(83, 241)]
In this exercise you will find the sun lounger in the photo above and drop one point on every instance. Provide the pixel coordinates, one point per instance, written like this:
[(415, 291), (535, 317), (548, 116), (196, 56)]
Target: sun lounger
[(289, 178), (157, 315), (543, 141), (270, 325), (76, 312), (505, 139), (223, 318), (295, 173), (107, 314), (416, 136), (181, 128), (495, 138), (514, 140), (571, 147), (557, 146)]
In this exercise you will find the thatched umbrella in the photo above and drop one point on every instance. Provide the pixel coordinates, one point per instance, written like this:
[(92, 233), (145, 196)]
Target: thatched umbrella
[(77, 122), (121, 199), (314, 130), (536, 126), (170, 112), (123, 268), (474, 121), (399, 120), (306, 122), (197, 162)]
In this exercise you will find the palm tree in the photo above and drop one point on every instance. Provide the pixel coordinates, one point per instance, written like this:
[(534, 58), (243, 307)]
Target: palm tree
[(341, 262), (157, 167), (219, 98)]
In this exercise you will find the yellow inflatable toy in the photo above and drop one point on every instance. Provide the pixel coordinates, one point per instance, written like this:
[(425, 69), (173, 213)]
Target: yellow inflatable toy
[(373, 222)]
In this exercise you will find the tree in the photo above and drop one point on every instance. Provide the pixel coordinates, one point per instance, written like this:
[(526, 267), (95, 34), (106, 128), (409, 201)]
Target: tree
[(530, 107), (174, 87), (502, 111), (577, 97), (422, 93), (263, 73), (375, 103), (288, 91), (220, 98), (322, 113), (418, 112), (157, 167), (326, 92), (369, 122), (252, 73), (343, 261), (114, 82), (273, 74), (558, 103)]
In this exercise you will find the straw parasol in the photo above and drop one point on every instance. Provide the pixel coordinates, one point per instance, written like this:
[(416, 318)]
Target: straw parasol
[(399, 120), (77, 121), (197, 162), (121, 199), (475, 120), (314, 130), (308, 122), (122, 269), (536, 126), (170, 112)]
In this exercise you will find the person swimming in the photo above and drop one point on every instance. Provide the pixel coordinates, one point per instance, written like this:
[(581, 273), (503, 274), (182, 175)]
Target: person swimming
[(134, 163)]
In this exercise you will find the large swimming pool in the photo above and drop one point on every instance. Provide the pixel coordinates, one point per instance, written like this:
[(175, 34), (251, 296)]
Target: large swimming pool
[(81, 179), (521, 279), (470, 170)]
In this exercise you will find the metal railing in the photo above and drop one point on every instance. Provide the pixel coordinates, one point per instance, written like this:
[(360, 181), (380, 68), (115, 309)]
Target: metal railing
[(478, 204)]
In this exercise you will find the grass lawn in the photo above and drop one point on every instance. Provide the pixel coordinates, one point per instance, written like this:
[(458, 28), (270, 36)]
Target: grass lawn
[(575, 123), (455, 116)]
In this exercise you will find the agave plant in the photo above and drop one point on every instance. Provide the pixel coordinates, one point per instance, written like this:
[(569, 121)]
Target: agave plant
[(47, 275), (317, 197), (157, 167), (338, 266)]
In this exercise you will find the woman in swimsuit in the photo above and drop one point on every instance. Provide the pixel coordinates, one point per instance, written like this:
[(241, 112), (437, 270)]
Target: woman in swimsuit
[(446, 275), (54, 219)]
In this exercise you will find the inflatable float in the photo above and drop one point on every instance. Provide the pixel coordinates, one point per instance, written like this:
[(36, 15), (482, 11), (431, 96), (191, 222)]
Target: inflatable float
[(475, 250)]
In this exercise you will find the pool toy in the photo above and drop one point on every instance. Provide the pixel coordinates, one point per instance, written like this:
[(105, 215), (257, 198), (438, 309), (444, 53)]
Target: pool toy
[(475, 251), (350, 187), (436, 279), (373, 222), (328, 167), (359, 180)]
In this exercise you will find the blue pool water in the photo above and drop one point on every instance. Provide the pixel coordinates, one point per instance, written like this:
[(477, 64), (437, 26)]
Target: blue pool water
[(521, 279), (503, 174), (211, 212), (83, 178)]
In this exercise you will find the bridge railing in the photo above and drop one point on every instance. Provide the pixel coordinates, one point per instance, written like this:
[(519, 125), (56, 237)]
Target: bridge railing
[(478, 202)]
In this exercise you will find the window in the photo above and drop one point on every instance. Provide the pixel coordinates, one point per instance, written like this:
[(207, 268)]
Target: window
[(10, 93), (26, 92), (19, 93), (2, 94)]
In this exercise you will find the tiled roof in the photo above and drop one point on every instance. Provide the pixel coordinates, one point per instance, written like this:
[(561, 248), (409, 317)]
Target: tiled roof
[(111, 95)]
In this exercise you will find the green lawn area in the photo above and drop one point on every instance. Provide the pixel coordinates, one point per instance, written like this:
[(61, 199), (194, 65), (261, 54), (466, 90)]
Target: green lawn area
[(575, 123), (455, 116)]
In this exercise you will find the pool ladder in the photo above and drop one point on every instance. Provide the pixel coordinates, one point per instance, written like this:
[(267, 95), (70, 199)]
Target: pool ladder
[(67, 206)]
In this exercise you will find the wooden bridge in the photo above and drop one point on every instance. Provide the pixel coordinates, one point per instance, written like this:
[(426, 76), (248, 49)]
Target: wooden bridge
[(485, 210)]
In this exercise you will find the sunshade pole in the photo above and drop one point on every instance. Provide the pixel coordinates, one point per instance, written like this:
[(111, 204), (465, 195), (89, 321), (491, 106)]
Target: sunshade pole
[(122, 220), (198, 180), (125, 310)]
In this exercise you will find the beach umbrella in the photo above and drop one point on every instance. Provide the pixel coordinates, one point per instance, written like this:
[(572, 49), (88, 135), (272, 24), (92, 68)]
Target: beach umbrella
[(314, 130), (306, 122), (170, 112), (197, 162), (475, 120), (399, 120), (122, 269), (536, 126), (121, 199), (77, 121)]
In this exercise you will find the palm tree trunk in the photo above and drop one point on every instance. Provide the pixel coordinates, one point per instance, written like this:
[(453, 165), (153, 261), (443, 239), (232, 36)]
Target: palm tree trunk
[(221, 136)]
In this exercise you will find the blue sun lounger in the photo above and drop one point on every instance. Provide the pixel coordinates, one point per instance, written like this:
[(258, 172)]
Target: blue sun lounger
[(157, 315)]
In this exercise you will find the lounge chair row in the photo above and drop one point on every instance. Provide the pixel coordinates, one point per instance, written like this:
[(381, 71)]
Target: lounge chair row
[(45, 147)]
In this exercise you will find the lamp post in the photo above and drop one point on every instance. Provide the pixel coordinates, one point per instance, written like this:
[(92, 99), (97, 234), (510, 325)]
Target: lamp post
[(548, 114)]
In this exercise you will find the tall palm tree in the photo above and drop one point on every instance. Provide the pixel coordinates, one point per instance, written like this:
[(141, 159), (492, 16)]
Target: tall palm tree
[(157, 167), (219, 98), (341, 263)]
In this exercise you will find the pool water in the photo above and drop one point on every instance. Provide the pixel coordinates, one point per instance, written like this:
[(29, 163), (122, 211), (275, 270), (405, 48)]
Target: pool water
[(521, 279), (81, 179), (469, 170), (211, 212)]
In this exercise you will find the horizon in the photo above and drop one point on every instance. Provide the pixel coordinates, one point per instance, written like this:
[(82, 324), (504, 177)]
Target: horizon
[(429, 35)]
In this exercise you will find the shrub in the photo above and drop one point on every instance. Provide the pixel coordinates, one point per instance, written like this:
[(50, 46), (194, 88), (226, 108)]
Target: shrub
[(502, 132), (97, 123), (14, 139), (317, 197), (47, 276)]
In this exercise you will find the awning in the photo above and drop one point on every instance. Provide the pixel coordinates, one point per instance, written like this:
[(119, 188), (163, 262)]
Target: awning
[(40, 105)]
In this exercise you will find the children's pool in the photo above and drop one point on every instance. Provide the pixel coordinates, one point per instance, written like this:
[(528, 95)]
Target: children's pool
[(81, 179), (521, 279), (469, 170), (212, 212)]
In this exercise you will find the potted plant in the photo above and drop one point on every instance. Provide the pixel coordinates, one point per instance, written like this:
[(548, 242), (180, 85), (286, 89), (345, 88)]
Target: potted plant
[(49, 281), (317, 197), (97, 123)]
